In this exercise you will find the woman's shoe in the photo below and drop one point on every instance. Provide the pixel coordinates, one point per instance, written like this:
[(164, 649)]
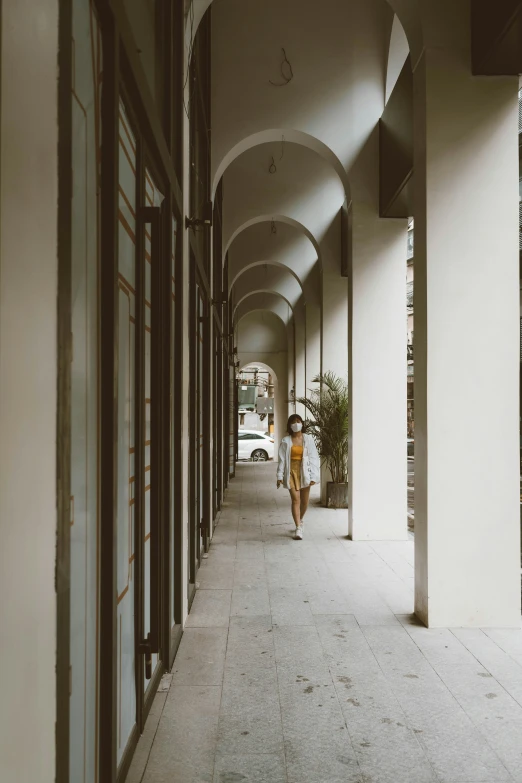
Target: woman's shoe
[(299, 533)]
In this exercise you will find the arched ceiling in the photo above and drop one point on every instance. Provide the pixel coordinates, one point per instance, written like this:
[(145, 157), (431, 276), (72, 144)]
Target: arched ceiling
[(267, 278), (276, 243), (290, 156), (273, 218), (264, 301), (278, 136), (411, 15), (303, 186), (261, 331)]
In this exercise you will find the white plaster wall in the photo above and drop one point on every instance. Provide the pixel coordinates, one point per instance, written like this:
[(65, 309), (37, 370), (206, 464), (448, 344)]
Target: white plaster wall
[(313, 342), (467, 516), (398, 54), (334, 336), (378, 462), (261, 331), (28, 373), (290, 331), (300, 355)]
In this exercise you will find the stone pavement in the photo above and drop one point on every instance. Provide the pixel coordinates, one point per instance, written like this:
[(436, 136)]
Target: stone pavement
[(302, 663)]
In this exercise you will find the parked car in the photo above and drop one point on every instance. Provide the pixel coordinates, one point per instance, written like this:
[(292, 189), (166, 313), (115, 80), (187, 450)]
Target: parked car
[(255, 446)]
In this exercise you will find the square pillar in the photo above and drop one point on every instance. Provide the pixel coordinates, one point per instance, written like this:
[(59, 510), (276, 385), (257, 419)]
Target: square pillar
[(467, 513), (34, 562), (300, 355), (313, 343), (334, 344), (378, 390)]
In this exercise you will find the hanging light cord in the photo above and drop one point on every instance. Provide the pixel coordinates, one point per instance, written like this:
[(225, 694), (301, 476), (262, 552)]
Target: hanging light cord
[(272, 169), (287, 73)]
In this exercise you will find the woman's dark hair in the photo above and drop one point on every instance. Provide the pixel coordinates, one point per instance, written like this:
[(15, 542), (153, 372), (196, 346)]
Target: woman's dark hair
[(292, 419)]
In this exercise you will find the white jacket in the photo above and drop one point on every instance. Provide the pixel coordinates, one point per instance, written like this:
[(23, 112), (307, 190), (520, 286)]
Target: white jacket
[(310, 465)]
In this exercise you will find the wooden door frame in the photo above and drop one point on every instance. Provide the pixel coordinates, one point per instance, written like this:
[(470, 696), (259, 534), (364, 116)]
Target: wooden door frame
[(163, 137), (63, 408), (108, 397)]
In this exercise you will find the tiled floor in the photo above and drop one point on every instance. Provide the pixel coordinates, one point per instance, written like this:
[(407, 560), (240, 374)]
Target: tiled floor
[(301, 663)]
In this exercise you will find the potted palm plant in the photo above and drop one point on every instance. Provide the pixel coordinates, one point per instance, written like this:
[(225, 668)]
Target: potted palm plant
[(328, 424)]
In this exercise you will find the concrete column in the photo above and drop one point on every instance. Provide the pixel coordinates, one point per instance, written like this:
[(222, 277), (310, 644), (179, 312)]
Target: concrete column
[(377, 344), (334, 349), (291, 364), (313, 342), (28, 387), (300, 355), (334, 343), (467, 513)]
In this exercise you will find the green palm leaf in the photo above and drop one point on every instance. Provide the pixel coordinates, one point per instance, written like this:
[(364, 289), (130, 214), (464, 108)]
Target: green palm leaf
[(328, 422)]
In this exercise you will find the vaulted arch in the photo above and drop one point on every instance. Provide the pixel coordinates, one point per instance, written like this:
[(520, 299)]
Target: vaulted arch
[(279, 244), (279, 137), (268, 278), (304, 187), (262, 300)]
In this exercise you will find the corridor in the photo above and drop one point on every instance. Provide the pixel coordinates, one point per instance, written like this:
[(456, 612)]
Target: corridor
[(301, 663)]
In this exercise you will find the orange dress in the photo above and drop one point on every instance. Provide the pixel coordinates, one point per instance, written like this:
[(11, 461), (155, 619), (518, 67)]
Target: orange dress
[(296, 458)]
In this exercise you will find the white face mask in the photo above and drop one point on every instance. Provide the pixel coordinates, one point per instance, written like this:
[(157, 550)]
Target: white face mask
[(296, 426)]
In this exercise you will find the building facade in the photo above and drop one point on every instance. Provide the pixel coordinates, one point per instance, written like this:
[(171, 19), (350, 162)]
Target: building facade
[(190, 188)]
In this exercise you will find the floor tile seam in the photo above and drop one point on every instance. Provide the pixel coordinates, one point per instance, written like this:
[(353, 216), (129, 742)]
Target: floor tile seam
[(369, 576), (278, 689), (484, 735), (142, 777), (411, 731), (483, 665), (343, 716), (206, 627), (388, 565), (446, 688), (219, 717), (405, 627), (419, 740), (510, 655)]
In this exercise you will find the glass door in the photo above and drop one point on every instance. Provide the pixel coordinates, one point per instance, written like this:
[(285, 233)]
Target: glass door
[(86, 80), (151, 276), (128, 492), (197, 434), (141, 264), (175, 434), (203, 436)]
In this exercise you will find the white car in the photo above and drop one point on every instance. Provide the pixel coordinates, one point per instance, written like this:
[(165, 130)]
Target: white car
[(255, 446)]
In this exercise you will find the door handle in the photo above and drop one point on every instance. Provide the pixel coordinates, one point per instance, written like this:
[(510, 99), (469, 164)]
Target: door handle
[(145, 649)]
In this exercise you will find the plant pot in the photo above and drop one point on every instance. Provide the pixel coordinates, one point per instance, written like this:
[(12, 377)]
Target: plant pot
[(336, 495)]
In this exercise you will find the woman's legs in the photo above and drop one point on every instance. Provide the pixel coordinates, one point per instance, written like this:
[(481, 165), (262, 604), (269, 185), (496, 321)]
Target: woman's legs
[(296, 506), (304, 498)]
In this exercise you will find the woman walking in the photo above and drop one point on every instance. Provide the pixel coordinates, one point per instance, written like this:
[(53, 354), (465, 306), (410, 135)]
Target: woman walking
[(298, 469)]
